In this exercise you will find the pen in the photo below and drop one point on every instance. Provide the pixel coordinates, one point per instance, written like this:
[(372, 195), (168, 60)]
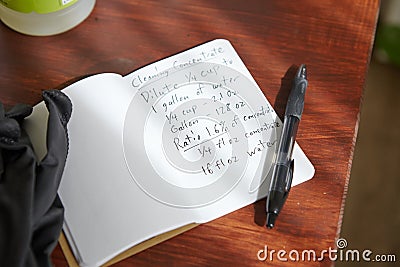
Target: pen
[(282, 174)]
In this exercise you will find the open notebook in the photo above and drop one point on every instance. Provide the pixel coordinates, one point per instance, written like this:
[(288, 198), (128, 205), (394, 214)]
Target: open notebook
[(183, 140)]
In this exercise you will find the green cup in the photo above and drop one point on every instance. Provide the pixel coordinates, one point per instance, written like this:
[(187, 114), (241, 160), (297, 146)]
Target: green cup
[(44, 17)]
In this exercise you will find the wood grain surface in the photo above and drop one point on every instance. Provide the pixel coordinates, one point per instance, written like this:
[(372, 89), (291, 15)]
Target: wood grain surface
[(334, 39)]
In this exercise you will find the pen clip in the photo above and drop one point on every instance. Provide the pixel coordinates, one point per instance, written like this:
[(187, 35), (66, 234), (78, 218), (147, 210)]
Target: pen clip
[(289, 177)]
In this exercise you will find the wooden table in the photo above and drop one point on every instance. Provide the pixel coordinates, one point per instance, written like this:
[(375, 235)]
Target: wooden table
[(335, 40)]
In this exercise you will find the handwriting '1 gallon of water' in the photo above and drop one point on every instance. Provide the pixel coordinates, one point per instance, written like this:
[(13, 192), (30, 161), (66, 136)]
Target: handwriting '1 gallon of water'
[(44, 17), (196, 135)]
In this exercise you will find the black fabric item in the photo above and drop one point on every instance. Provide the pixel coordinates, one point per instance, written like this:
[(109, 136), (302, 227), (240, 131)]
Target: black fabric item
[(31, 213)]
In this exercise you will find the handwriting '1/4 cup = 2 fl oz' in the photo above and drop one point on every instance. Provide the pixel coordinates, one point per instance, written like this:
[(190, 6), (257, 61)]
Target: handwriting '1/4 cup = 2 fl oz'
[(201, 137)]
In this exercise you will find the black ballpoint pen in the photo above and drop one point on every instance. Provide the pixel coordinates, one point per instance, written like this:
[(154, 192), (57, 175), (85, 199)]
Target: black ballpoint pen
[(282, 174)]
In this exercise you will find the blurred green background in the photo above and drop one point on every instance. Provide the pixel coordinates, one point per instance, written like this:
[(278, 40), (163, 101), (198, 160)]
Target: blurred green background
[(372, 211)]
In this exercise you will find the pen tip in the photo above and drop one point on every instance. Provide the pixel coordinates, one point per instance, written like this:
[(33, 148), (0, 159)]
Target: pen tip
[(271, 217)]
